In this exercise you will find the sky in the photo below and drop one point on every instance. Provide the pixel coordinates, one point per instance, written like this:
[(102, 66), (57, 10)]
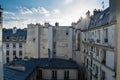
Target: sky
[(19, 13)]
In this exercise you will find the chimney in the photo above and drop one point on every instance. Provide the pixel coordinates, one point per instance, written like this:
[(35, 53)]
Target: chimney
[(46, 24), (56, 24), (112, 4), (96, 11), (88, 13)]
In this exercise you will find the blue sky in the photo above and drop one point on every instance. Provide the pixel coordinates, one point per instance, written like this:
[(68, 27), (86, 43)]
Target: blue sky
[(19, 13)]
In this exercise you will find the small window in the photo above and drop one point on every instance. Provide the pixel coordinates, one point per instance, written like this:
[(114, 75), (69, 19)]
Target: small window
[(54, 74), (66, 32), (7, 45), (14, 38), (66, 75), (20, 53), (7, 59), (103, 75), (20, 45), (7, 53), (7, 37), (14, 53), (14, 45)]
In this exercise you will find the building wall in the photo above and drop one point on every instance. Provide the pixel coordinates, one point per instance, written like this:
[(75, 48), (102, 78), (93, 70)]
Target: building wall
[(11, 49), (32, 41), (44, 42), (47, 74), (94, 51)]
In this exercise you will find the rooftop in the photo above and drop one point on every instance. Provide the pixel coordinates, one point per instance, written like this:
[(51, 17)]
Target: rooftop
[(14, 34), (31, 64)]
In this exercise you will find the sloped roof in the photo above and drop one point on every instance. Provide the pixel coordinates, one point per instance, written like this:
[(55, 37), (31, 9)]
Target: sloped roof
[(100, 19), (32, 64), (9, 33)]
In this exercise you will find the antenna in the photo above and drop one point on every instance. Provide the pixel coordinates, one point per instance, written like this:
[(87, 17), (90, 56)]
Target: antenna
[(103, 5)]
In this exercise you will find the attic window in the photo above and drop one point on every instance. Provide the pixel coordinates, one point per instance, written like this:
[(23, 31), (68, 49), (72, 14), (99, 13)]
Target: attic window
[(7, 37), (101, 16), (66, 32), (14, 38)]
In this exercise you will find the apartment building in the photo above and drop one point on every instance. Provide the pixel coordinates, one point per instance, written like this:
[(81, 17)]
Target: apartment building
[(1, 51), (14, 41), (97, 41), (45, 41)]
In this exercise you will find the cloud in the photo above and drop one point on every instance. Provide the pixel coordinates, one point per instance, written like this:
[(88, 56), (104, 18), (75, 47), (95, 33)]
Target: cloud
[(68, 1), (24, 10), (8, 13), (56, 11), (40, 10), (12, 18)]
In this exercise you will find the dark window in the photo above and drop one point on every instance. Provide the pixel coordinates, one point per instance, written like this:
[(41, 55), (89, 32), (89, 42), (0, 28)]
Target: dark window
[(14, 53), (7, 53), (7, 59), (66, 75), (20, 53), (103, 75), (14, 45), (105, 35), (54, 75), (20, 45), (7, 37), (97, 52), (7, 45), (78, 42), (104, 57)]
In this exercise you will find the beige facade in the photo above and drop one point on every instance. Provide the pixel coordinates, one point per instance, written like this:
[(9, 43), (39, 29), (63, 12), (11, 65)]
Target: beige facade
[(42, 38), (47, 74)]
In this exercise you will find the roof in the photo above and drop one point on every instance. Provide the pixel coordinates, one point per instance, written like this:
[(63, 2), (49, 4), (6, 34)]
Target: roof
[(99, 19), (32, 64), (18, 35)]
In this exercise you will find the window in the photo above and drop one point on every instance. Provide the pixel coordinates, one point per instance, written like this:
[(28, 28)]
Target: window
[(54, 75), (7, 37), (7, 59), (20, 45), (105, 35), (96, 74), (7, 45), (97, 52), (14, 38), (103, 75), (78, 44), (7, 53), (14, 53), (66, 75), (104, 57), (20, 53), (14, 45), (20, 37)]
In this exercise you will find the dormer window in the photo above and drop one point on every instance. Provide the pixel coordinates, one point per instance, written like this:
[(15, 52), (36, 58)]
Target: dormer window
[(21, 38), (7, 37), (14, 38), (101, 17)]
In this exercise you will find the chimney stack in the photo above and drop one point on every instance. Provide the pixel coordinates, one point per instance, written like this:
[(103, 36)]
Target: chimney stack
[(56, 24)]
